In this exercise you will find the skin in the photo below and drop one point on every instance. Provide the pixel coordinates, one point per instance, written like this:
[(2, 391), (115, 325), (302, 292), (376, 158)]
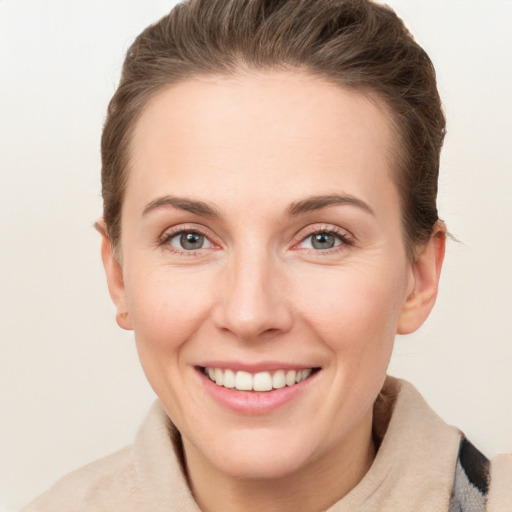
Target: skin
[(254, 148)]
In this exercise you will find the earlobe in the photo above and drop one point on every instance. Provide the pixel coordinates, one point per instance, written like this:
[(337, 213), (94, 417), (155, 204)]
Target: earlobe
[(425, 273), (114, 275)]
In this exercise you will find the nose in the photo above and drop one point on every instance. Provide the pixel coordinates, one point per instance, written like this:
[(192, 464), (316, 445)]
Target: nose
[(251, 299)]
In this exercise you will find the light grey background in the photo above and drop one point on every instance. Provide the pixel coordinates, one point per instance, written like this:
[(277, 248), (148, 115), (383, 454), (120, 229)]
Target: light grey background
[(71, 389)]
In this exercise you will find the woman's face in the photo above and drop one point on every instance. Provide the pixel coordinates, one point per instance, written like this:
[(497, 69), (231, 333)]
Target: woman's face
[(262, 244)]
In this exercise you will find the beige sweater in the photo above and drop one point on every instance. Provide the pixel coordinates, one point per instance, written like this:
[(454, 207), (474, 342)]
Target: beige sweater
[(413, 470)]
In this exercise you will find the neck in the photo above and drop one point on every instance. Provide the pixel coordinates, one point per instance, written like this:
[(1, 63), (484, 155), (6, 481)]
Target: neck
[(314, 487)]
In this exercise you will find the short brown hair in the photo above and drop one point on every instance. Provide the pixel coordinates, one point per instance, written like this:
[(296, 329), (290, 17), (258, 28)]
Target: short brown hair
[(357, 44)]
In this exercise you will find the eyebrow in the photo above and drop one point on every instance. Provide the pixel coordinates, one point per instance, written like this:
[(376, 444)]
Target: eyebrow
[(307, 205), (318, 202), (182, 203)]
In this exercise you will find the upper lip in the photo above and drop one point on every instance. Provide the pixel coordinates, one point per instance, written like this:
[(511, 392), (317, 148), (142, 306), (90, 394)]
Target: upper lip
[(263, 366)]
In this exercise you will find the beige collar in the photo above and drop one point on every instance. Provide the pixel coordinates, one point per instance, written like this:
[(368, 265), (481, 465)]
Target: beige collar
[(413, 469), (415, 464)]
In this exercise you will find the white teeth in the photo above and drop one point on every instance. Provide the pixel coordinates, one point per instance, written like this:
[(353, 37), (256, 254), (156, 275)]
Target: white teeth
[(261, 381), (229, 379), (278, 380), (243, 381), (290, 377)]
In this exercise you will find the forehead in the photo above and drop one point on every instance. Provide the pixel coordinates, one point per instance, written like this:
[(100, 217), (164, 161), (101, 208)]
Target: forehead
[(273, 132)]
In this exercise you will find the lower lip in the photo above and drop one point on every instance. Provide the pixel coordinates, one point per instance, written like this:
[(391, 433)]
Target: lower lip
[(255, 402)]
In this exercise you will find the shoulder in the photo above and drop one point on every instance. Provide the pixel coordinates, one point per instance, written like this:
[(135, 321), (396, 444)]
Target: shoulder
[(500, 489), (445, 462), (471, 480), (103, 485), (480, 484), (148, 475)]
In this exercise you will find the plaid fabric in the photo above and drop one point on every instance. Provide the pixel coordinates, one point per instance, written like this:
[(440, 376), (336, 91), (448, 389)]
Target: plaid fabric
[(471, 483)]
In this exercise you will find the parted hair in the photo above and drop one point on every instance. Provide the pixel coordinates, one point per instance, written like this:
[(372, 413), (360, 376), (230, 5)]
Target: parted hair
[(358, 44)]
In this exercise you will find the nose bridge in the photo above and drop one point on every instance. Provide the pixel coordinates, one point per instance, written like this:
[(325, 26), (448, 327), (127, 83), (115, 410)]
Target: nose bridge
[(251, 295)]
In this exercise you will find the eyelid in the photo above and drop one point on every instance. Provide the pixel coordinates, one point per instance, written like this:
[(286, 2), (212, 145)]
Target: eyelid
[(347, 239), (173, 231)]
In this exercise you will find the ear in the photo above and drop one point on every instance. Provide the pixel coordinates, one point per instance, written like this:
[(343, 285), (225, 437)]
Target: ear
[(425, 272), (114, 274)]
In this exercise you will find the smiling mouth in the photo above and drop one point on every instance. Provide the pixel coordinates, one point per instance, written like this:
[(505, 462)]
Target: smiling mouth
[(260, 382)]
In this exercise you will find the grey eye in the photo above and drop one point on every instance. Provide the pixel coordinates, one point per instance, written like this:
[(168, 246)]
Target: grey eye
[(323, 241), (190, 241)]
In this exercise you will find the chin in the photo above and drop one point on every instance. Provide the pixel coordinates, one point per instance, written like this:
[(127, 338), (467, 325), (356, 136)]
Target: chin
[(259, 454), (258, 467)]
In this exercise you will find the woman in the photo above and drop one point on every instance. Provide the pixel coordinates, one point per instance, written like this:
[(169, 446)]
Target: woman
[(270, 224)]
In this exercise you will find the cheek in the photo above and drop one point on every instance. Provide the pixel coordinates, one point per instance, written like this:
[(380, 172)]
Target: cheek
[(353, 310), (166, 308)]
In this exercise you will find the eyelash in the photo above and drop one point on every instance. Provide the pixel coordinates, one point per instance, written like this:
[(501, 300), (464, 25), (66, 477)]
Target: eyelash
[(170, 235), (343, 237)]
